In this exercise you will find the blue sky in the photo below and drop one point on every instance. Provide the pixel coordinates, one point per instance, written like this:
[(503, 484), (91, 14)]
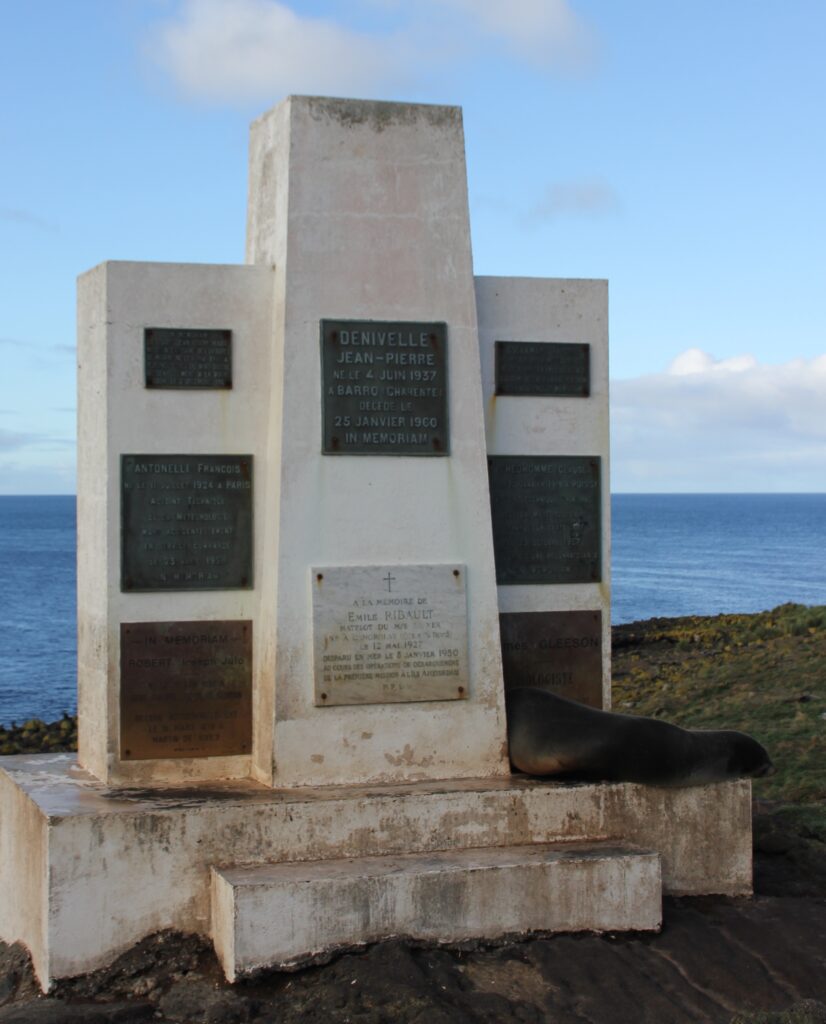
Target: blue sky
[(676, 149)]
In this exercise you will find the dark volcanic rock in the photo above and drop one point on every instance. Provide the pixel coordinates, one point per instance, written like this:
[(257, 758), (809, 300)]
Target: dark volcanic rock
[(194, 1001), (148, 968), (56, 1011), (17, 978), (787, 862), (809, 1011)]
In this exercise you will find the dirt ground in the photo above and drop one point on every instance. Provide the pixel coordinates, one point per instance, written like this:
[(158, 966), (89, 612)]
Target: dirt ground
[(716, 960)]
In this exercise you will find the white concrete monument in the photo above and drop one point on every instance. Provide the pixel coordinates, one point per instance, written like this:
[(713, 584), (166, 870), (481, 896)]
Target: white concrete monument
[(295, 550)]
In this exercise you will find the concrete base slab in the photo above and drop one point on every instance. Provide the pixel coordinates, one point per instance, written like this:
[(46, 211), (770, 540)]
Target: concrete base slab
[(88, 870), (277, 915)]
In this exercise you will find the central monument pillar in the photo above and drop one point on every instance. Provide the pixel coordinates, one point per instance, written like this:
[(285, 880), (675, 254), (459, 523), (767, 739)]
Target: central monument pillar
[(377, 491)]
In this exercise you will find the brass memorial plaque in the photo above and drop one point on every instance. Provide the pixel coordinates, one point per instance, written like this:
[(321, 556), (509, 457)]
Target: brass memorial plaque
[(185, 689), (543, 368), (556, 651), (186, 522), (187, 357), (384, 388), (546, 518)]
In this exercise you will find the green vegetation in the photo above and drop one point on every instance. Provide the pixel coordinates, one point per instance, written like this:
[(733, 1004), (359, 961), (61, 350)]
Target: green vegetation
[(764, 674)]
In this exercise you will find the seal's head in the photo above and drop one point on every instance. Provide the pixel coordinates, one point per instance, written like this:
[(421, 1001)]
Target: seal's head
[(721, 754), (748, 757)]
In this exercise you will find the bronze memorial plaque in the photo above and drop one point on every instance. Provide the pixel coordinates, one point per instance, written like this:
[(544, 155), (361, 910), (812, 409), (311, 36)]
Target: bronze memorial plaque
[(384, 388), (187, 357), (185, 689), (186, 522), (556, 651), (543, 368), (546, 518)]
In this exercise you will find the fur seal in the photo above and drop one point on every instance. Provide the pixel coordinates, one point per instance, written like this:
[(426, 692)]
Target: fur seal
[(548, 735)]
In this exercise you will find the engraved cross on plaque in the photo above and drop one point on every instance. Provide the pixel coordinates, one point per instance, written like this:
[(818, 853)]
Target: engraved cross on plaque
[(389, 580)]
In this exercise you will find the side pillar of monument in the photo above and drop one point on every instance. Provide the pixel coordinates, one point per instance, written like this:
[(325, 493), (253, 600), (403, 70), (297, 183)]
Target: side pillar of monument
[(173, 361), (544, 353), (386, 661)]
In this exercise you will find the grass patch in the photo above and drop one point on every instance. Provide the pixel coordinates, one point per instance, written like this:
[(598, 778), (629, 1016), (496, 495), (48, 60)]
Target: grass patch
[(764, 674)]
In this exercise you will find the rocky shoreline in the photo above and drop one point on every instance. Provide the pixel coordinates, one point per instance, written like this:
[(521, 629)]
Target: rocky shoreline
[(35, 736)]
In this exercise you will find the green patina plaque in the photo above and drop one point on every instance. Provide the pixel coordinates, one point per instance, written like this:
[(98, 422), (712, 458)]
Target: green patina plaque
[(384, 388), (187, 358), (186, 522), (546, 518), (543, 368)]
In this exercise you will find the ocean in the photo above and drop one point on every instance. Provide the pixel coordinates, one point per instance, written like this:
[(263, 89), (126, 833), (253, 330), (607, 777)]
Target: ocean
[(38, 655), (702, 554), (673, 554)]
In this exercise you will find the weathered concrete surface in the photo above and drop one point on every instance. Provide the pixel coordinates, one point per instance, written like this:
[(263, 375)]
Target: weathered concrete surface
[(23, 869), (120, 864), (278, 914)]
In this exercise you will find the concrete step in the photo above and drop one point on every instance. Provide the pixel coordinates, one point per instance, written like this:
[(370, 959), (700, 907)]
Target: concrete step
[(277, 915)]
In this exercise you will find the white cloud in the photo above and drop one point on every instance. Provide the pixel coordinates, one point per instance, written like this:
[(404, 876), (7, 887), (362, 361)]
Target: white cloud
[(709, 424), (238, 50), (694, 360), (246, 49)]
